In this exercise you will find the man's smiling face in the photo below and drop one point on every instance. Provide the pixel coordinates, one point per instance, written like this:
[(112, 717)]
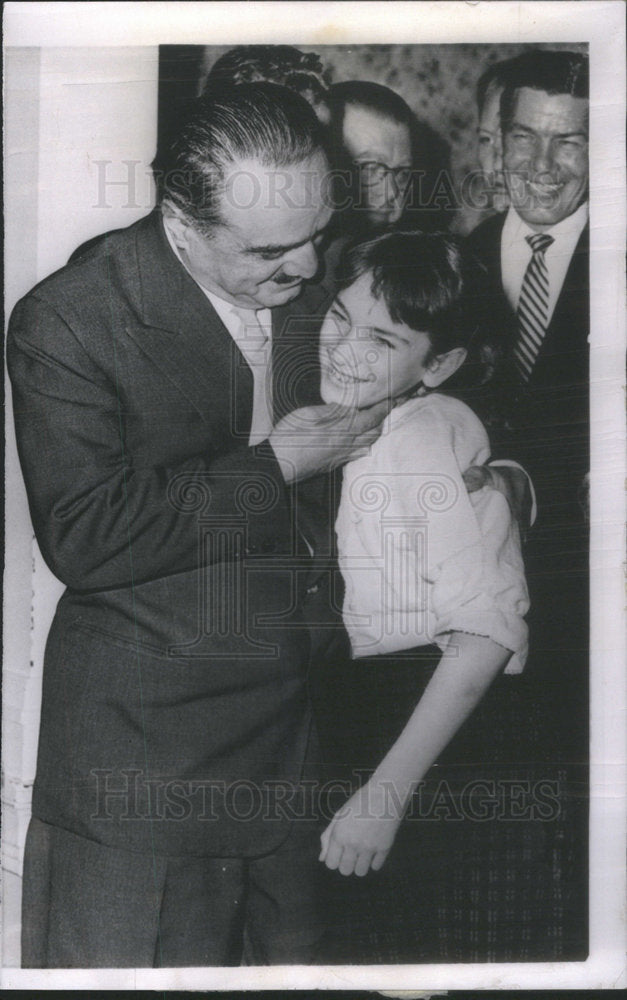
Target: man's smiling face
[(272, 222), (546, 156)]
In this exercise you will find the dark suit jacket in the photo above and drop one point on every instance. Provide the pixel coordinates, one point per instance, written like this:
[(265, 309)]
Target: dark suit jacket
[(544, 424), (178, 651)]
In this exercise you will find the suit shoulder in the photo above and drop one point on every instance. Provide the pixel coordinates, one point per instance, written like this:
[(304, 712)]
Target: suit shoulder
[(89, 276), (79, 297)]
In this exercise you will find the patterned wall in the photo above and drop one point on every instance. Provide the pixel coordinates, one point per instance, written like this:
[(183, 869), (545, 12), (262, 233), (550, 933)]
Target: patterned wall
[(437, 81)]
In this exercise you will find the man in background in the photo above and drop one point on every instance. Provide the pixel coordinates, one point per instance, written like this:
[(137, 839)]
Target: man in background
[(393, 161), (490, 88), (537, 256)]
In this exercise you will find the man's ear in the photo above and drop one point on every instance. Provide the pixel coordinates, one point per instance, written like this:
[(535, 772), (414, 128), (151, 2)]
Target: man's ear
[(443, 366), (178, 226)]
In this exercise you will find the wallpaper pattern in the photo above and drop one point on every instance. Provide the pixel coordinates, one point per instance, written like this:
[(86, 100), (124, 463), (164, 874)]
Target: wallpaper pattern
[(437, 81)]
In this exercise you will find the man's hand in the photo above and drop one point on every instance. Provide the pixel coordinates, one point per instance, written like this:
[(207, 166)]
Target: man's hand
[(509, 480), (361, 833), (317, 439)]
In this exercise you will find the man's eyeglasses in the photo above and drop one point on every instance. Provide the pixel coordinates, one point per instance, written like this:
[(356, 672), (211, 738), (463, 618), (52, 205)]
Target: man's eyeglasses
[(372, 173)]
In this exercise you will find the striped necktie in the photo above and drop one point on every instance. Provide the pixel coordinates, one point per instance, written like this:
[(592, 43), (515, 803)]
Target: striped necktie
[(533, 306)]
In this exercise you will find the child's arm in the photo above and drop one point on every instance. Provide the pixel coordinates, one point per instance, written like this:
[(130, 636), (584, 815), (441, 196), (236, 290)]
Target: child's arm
[(361, 833)]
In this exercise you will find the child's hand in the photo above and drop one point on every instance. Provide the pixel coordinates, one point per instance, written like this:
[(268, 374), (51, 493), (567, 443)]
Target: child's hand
[(361, 833)]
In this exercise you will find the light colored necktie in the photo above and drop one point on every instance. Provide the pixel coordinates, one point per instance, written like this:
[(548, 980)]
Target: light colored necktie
[(256, 345), (533, 306)]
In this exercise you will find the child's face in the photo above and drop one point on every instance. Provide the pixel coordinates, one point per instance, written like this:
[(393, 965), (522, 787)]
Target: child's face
[(365, 356)]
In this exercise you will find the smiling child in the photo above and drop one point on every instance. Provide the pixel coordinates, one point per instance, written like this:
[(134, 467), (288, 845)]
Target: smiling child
[(434, 580)]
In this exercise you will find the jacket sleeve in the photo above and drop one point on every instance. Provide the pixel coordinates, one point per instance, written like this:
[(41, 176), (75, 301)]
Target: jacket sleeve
[(102, 518)]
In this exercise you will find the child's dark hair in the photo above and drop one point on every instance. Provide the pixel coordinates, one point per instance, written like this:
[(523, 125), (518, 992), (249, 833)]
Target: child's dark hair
[(432, 284)]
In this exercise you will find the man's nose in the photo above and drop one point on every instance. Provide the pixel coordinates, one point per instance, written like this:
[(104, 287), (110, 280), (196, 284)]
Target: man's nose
[(302, 262), (543, 161)]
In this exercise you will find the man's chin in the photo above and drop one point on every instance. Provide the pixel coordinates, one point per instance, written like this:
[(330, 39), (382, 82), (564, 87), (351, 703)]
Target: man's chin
[(539, 215)]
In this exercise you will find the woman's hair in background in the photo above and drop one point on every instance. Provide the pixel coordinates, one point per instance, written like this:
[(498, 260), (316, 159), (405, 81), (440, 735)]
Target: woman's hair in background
[(284, 65), (432, 284)]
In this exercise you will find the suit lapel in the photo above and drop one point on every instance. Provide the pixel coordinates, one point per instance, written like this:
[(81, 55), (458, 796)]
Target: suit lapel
[(564, 352), (576, 283), (184, 337)]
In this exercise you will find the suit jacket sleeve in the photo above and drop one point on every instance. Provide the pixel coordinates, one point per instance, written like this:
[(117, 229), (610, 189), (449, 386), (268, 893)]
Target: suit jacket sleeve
[(102, 519)]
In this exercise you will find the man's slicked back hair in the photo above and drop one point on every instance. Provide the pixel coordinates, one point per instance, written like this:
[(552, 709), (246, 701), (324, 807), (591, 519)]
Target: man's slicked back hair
[(258, 121), (374, 97), (497, 74), (554, 72)]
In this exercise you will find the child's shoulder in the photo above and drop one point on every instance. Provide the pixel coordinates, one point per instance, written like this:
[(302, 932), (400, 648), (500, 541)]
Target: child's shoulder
[(440, 410), (441, 422)]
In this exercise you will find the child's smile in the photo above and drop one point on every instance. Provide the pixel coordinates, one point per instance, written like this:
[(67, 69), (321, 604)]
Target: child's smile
[(365, 355)]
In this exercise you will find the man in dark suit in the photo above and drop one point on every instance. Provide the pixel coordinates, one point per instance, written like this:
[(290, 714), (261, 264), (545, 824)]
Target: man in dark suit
[(170, 824), (537, 256)]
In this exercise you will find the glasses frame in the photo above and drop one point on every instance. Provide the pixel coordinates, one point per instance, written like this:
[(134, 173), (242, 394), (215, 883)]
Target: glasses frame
[(383, 172)]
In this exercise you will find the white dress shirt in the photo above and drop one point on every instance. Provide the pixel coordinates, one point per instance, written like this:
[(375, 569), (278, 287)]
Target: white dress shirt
[(252, 332), (516, 253), (421, 558)]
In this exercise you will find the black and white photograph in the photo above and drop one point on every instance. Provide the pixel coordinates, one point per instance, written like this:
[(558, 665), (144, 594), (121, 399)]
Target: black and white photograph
[(314, 642)]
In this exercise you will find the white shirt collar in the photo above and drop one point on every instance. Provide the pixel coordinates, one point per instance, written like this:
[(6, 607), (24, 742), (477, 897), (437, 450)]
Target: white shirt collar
[(568, 230), (516, 253)]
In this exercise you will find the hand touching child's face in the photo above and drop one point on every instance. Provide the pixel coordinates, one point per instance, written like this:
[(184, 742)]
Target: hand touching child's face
[(365, 356)]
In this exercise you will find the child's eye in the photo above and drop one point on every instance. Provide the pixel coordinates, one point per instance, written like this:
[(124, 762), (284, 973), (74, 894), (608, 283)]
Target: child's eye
[(383, 342), (340, 318)]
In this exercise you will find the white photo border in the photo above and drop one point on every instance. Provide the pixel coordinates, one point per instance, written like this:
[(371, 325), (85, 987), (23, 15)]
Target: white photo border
[(602, 25)]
